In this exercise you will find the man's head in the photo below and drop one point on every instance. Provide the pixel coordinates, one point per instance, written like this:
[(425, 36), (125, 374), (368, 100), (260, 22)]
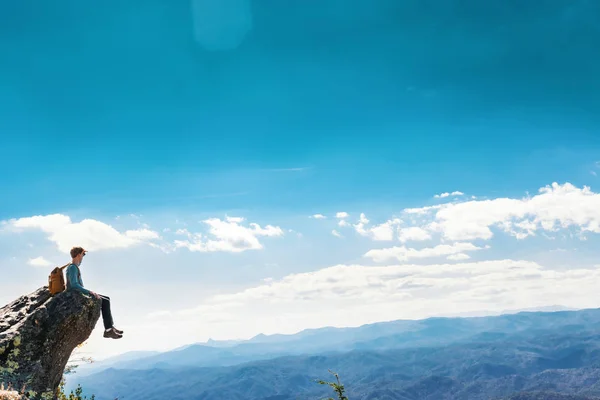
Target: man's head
[(77, 254)]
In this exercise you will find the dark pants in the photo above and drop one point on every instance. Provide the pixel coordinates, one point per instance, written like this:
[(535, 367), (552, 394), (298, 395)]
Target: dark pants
[(106, 314)]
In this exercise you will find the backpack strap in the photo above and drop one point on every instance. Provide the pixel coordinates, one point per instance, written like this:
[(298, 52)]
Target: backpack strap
[(65, 266)]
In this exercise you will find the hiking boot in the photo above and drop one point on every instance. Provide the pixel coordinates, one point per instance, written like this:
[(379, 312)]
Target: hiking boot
[(112, 334), (120, 332)]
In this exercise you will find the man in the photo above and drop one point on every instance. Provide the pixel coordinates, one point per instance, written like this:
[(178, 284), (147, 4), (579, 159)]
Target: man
[(74, 282)]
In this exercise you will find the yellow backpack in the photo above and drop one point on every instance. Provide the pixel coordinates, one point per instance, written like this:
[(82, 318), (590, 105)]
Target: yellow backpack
[(56, 280)]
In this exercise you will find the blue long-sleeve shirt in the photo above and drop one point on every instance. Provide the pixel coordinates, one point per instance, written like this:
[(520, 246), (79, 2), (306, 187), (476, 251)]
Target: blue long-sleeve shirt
[(74, 281)]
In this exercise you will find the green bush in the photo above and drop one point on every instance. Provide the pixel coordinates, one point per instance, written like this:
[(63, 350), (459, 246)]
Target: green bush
[(73, 395), (337, 386)]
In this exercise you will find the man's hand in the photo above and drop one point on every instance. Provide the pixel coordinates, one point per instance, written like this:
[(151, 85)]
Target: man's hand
[(96, 295)]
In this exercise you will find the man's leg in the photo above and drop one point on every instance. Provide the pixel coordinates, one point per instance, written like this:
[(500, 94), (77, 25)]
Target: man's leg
[(106, 314), (109, 330), (107, 317)]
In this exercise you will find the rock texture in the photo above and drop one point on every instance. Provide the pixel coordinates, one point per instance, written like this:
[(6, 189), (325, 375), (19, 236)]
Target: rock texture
[(38, 333)]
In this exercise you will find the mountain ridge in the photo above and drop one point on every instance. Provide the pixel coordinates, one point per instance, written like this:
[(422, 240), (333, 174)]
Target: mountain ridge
[(525, 361), (380, 335), (465, 357)]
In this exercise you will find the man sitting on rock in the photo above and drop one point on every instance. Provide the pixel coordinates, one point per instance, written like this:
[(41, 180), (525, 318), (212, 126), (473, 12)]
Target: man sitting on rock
[(74, 282)]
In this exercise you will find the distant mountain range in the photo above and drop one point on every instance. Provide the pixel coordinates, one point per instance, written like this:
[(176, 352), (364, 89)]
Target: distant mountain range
[(378, 336), (528, 353)]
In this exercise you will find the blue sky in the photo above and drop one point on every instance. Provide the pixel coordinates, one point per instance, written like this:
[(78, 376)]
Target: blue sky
[(148, 119)]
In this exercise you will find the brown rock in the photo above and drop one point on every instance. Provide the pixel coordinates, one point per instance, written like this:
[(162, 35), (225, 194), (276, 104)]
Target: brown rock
[(38, 333)]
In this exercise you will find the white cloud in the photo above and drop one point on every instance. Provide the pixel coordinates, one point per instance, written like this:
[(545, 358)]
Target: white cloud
[(384, 232), (404, 254), (364, 294), (343, 223), (165, 247), (235, 220), (341, 214), (594, 173), (555, 207), (447, 194), (142, 234), (229, 236), (336, 233), (458, 257), (88, 233), (413, 233), (318, 216), (381, 232), (374, 282), (422, 210), (359, 227), (39, 262)]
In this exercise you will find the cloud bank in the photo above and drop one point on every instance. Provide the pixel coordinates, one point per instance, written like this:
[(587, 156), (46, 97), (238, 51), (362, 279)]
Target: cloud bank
[(556, 207), (352, 295), (229, 235), (88, 233)]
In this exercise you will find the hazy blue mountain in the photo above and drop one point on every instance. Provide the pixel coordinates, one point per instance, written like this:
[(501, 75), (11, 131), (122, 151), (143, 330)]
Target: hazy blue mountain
[(534, 360), (378, 336), (222, 343), (129, 356), (85, 369)]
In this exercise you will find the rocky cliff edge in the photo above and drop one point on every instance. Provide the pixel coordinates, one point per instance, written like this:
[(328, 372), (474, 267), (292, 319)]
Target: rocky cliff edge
[(38, 333)]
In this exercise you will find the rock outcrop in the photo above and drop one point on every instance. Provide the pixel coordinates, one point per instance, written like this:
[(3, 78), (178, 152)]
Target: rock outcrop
[(38, 333)]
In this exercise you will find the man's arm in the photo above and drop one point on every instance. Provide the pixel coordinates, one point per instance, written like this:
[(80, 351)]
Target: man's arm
[(74, 281)]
